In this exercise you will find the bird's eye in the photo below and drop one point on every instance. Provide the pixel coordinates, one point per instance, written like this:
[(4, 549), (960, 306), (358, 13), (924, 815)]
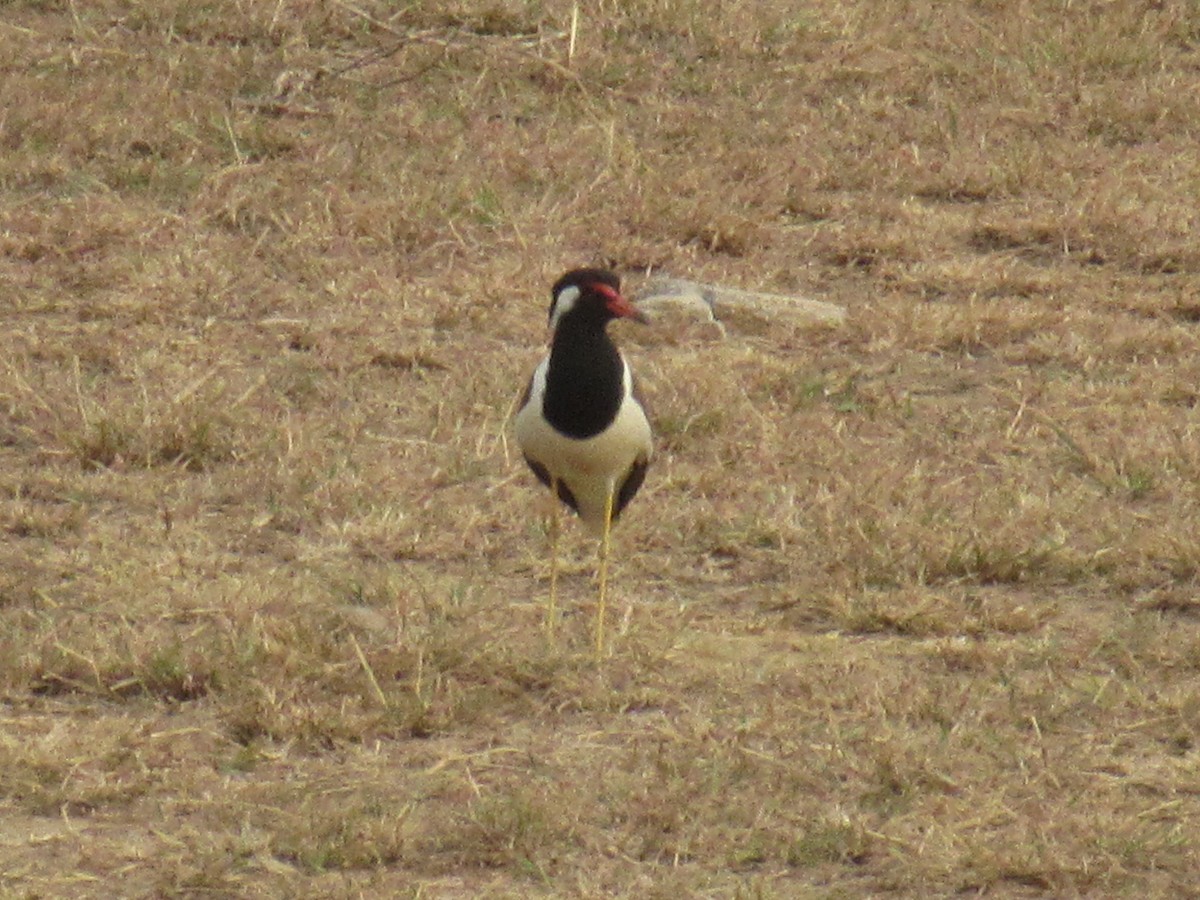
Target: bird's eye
[(607, 291)]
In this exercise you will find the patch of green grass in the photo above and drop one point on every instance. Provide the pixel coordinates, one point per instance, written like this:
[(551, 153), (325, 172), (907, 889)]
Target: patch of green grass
[(828, 842), (193, 444)]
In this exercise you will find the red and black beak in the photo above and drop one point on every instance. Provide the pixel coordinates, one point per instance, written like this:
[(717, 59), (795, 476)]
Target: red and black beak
[(620, 307)]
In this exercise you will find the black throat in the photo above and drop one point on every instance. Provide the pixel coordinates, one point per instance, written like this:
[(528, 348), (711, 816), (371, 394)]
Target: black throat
[(584, 380)]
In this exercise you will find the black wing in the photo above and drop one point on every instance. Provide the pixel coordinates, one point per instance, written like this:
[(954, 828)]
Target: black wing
[(637, 472), (633, 480), (564, 492)]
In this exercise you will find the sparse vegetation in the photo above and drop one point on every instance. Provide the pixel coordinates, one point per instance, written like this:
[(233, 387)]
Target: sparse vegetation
[(908, 606)]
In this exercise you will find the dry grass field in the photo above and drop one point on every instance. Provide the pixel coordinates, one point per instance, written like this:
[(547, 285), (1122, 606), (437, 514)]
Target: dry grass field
[(907, 607)]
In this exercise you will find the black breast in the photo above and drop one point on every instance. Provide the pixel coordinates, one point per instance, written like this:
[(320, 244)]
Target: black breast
[(584, 380)]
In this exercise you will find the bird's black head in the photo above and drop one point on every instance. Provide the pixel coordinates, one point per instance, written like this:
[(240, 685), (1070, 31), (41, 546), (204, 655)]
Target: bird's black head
[(595, 293)]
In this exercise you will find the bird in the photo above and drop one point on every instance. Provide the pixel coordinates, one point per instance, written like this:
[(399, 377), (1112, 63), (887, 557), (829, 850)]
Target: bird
[(580, 426)]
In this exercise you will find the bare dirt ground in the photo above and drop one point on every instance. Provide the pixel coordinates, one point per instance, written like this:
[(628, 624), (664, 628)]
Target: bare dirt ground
[(907, 606)]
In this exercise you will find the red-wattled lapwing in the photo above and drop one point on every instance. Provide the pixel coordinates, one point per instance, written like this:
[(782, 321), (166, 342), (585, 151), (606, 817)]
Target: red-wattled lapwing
[(580, 427)]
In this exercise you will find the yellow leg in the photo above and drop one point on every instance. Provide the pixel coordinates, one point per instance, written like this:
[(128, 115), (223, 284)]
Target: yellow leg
[(552, 607), (600, 609)]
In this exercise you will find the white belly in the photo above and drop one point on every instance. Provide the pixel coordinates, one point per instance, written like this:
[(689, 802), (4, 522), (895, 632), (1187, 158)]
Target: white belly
[(593, 468)]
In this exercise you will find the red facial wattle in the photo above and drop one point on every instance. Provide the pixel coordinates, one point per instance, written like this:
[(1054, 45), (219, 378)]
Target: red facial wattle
[(617, 304)]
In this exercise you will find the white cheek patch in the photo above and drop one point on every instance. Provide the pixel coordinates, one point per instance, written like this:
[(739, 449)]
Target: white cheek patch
[(564, 301)]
